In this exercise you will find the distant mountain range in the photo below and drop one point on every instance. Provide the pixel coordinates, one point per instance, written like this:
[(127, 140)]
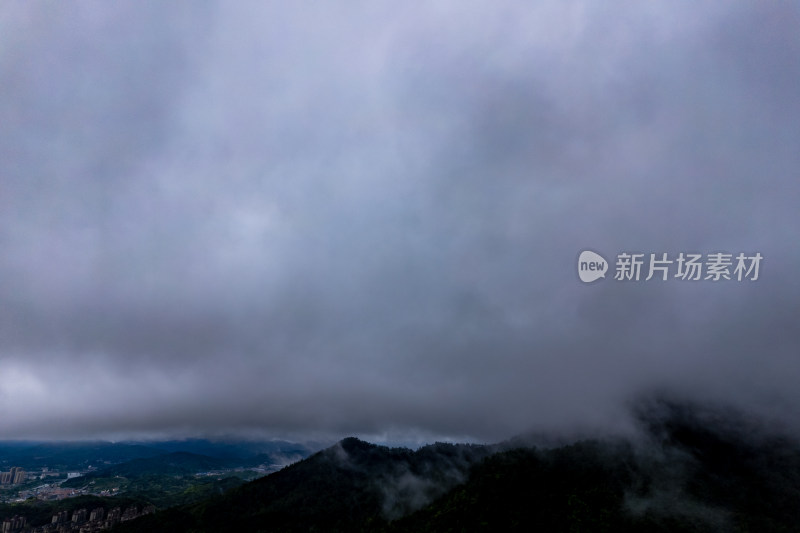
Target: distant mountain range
[(240, 450), (81, 455), (693, 470), (69, 455), (169, 464)]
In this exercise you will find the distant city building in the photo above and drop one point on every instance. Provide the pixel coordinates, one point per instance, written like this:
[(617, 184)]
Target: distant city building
[(15, 476), (60, 518), (130, 513), (113, 517), (82, 521), (14, 524), (79, 516)]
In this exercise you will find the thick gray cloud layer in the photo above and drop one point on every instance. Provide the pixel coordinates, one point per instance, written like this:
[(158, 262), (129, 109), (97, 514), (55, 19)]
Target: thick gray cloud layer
[(330, 219)]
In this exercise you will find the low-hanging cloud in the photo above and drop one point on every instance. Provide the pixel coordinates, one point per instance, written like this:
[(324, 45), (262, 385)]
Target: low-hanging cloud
[(365, 219)]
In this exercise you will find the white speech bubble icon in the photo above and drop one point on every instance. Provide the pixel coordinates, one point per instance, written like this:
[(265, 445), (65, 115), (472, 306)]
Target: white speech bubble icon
[(591, 266)]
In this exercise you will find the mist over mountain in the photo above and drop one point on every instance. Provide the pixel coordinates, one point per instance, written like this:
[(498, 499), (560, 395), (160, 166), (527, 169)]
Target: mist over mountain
[(692, 468)]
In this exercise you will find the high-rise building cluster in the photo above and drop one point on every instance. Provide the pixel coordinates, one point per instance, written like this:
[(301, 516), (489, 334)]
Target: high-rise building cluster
[(78, 521)]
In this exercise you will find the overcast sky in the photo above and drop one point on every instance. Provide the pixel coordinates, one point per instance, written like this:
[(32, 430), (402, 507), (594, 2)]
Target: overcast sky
[(298, 219)]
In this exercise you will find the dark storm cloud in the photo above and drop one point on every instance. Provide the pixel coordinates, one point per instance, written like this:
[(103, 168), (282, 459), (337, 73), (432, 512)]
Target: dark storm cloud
[(366, 220)]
